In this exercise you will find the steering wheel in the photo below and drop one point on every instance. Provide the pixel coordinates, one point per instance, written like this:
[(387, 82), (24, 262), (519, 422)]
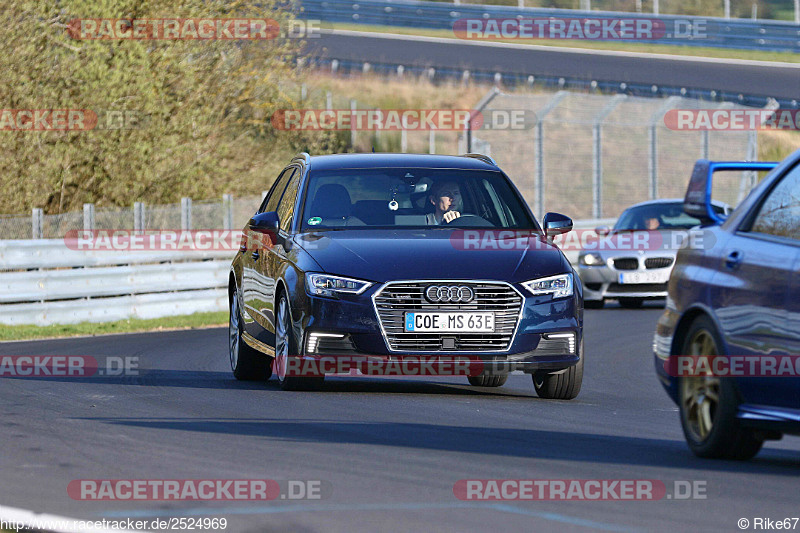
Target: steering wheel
[(470, 220)]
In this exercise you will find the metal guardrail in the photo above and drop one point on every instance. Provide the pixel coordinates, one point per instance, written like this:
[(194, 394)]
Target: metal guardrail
[(54, 253), (46, 285), (43, 282), (681, 30), (112, 309), (646, 90)]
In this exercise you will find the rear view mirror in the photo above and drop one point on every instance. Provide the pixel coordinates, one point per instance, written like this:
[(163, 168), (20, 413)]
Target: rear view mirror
[(602, 230)]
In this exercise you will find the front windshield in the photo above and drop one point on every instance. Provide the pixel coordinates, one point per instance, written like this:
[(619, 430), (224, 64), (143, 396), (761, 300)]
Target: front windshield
[(659, 216), (412, 198)]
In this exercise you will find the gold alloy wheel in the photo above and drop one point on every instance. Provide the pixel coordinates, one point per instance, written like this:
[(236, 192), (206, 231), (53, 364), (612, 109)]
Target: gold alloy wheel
[(700, 394)]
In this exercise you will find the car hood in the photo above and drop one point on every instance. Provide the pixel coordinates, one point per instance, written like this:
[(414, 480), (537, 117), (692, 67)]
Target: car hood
[(384, 255)]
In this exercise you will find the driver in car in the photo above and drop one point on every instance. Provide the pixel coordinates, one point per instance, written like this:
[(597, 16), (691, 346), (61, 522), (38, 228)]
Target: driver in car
[(446, 199), (652, 223)]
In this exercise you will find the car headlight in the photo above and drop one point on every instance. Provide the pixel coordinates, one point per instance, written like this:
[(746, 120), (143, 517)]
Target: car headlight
[(559, 286), (590, 259), (333, 286)]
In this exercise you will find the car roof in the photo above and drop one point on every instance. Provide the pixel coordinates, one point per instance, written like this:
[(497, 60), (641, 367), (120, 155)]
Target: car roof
[(380, 160)]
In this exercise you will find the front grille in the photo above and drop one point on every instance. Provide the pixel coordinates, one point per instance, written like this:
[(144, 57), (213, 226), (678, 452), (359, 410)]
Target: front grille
[(626, 263), (658, 262), (396, 298), (636, 287)]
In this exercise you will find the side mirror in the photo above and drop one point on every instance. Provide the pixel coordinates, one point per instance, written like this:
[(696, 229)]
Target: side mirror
[(265, 222), (556, 224), (261, 232), (602, 230)]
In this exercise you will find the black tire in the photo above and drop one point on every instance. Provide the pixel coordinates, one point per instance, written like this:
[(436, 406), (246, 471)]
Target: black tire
[(485, 380), (727, 438), (248, 364), (631, 303), (594, 304), (560, 385), (286, 345)]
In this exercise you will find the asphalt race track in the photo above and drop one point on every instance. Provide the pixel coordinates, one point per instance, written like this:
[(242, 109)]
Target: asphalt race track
[(388, 450), (779, 80)]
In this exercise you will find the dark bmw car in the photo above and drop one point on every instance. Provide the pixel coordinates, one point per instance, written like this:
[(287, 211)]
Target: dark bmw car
[(393, 256), (735, 301)]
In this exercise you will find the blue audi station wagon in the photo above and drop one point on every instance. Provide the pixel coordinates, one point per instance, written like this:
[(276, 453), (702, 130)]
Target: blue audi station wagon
[(394, 256)]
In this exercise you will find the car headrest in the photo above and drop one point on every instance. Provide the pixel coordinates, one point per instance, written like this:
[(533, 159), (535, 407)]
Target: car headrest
[(331, 201)]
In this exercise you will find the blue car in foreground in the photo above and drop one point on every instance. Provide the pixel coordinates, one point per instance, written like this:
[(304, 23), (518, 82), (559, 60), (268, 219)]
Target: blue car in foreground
[(382, 258), (726, 347)]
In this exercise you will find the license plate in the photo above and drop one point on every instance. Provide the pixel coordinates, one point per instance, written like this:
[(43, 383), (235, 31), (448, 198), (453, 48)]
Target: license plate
[(644, 277), (450, 322)]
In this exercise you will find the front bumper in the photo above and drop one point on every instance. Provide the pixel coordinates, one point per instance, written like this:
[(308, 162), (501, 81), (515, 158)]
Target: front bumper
[(662, 348), (355, 317), (601, 282)]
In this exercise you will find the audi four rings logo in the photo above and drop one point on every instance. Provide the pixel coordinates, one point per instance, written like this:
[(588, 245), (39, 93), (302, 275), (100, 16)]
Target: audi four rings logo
[(449, 294)]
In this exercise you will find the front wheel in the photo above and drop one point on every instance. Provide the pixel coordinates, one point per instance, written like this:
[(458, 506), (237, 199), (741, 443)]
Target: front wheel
[(286, 347), (247, 363), (560, 385), (708, 404)]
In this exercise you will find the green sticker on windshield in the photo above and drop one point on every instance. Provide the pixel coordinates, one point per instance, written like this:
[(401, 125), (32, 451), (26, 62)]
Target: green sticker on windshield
[(313, 221)]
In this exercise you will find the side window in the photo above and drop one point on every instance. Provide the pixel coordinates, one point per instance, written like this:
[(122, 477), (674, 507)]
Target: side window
[(779, 214), (286, 207), (270, 203)]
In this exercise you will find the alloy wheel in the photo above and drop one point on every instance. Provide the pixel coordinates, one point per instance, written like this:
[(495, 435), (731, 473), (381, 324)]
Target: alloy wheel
[(700, 394), (233, 331), (282, 339)]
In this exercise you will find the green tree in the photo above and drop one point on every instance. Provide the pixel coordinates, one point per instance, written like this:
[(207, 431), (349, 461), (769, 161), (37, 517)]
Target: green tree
[(204, 105)]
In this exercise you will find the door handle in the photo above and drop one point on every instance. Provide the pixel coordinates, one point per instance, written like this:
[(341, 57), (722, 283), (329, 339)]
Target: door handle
[(255, 255), (733, 259)]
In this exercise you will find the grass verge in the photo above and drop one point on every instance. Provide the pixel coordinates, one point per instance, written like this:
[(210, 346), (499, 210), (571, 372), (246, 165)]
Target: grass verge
[(693, 51), (196, 320)]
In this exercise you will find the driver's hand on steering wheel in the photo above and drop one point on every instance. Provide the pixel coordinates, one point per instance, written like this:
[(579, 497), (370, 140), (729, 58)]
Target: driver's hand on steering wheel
[(450, 216)]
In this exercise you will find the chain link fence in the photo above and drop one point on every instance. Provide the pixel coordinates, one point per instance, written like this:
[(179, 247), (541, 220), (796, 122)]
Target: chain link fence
[(228, 213), (591, 156)]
